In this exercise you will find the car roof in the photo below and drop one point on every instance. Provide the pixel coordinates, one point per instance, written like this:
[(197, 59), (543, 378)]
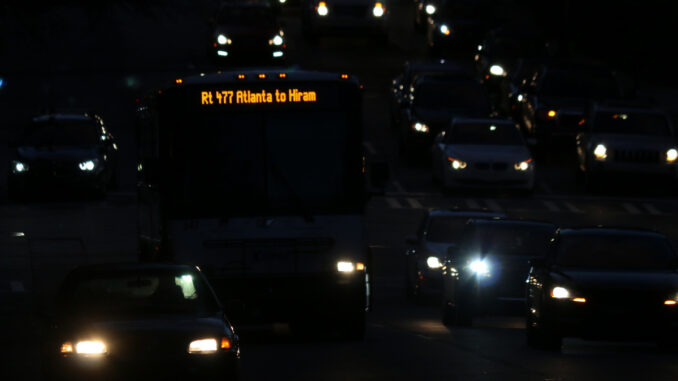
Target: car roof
[(603, 230), (514, 222), (464, 213), (107, 268), (61, 117), (441, 65), (272, 73), (245, 4)]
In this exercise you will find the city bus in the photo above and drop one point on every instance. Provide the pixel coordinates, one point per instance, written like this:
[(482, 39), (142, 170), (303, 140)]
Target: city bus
[(260, 179)]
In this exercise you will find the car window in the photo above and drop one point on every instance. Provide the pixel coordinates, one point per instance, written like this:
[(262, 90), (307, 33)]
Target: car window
[(483, 134), (245, 16), (130, 293), (615, 252), (62, 133), (446, 228), (579, 84), (631, 124), (509, 239)]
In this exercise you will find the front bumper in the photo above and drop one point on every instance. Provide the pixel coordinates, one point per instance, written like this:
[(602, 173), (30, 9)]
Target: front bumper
[(612, 167), (594, 321), (489, 178), (219, 366), (37, 183)]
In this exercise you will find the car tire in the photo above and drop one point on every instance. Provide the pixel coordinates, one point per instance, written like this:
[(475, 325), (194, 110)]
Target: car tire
[(353, 328), (543, 337)]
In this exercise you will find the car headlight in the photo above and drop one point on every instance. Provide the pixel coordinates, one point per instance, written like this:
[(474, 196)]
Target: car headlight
[(349, 267), (88, 165), (456, 164), (560, 293), (277, 40), (479, 267), (430, 9), (433, 263), (19, 167), (523, 165), (322, 9), (445, 30), (420, 127), (378, 10), (86, 347), (600, 152), (223, 40), (203, 346), (671, 155), (497, 70)]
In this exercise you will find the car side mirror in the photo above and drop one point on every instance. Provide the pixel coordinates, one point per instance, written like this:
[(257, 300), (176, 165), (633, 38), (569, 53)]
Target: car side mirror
[(412, 240)]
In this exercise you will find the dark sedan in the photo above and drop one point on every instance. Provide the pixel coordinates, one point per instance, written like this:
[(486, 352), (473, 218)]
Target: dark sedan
[(432, 104), (69, 152), (140, 321), (487, 272), (603, 283), (439, 230), (553, 98), (247, 33)]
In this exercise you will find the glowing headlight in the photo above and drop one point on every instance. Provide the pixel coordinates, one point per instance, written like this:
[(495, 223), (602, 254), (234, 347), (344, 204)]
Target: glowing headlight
[(444, 29), (223, 40), (456, 164), (19, 167), (322, 9), (87, 166), (378, 10), (479, 267), (600, 152), (671, 155), (345, 267), (433, 263), (282, 1), (523, 165), (560, 293), (497, 70), (203, 346), (88, 348), (420, 127), (430, 9), (277, 40)]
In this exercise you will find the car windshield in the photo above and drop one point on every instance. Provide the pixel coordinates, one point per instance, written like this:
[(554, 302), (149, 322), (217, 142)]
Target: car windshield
[(615, 252), (484, 134), (131, 293), (245, 16), (446, 228), (579, 84), (508, 239), (631, 124), (517, 47), (469, 97), (62, 133)]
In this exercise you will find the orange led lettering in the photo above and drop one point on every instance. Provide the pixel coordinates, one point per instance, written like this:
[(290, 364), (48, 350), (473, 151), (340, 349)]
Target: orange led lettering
[(227, 97), (206, 97)]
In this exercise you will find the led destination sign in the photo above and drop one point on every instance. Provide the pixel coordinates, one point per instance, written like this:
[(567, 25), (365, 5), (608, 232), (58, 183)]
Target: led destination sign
[(245, 97)]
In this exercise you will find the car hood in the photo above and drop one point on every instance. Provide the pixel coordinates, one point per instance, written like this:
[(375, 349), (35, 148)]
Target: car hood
[(443, 116), (619, 280), (487, 152), (639, 142), (438, 249), (31, 153), (232, 31)]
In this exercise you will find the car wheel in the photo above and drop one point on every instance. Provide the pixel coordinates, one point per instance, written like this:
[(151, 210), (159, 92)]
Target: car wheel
[(353, 328), (541, 336)]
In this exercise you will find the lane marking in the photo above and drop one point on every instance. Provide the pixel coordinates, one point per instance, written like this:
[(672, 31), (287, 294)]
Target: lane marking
[(630, 208), (393, 203), (551, 206), (414, 203), (573, 208), (650, 208), (494, 206), (16, 286), (472, 204), (399, 187), (370, 148)]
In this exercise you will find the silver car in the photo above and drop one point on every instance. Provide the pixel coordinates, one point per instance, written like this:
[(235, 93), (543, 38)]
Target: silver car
[(627, 141), (482, 153)]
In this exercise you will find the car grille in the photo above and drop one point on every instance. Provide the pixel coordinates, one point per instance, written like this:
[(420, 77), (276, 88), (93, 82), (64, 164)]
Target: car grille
[(350, 11), (498, 167), (636, 156)]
